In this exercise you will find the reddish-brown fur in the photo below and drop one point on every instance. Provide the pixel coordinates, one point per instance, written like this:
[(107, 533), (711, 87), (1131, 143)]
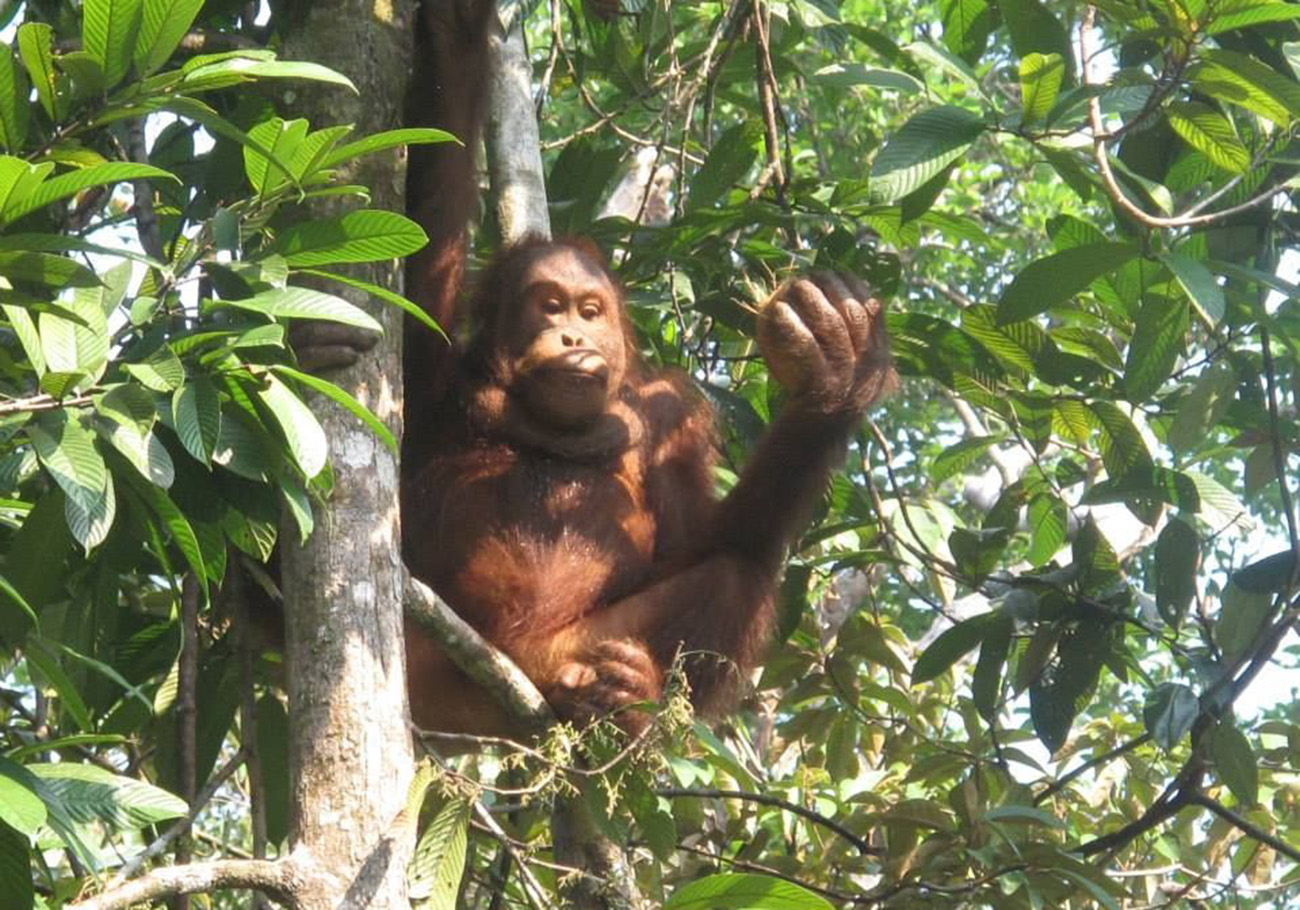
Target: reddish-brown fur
[(594, 557)]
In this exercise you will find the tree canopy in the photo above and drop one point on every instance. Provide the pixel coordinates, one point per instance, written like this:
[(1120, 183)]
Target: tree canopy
[(1036, 647)]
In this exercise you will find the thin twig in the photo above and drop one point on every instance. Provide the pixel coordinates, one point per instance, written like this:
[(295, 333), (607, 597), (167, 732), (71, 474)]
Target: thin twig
[(1247, 827), (817, 818)]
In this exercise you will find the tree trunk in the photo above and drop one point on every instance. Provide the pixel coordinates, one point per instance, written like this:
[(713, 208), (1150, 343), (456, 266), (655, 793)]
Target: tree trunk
[(350, 746)]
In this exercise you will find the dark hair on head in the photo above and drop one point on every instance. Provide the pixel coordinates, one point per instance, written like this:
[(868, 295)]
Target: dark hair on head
[(498, 286)]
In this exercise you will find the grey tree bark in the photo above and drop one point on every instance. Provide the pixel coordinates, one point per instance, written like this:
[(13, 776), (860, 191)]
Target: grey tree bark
[(350, 751)]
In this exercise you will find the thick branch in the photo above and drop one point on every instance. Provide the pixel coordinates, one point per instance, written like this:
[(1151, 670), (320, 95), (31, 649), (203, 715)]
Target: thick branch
[(514, 149), (489, 668), (282, 879)]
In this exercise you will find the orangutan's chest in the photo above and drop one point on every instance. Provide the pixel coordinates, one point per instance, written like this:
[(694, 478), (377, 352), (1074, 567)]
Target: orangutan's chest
[(526, 539)]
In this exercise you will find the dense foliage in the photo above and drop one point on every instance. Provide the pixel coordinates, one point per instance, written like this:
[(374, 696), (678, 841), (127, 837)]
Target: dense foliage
[(1034, 650)]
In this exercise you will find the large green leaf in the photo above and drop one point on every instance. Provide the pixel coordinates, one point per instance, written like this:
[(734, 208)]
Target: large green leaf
[(34, 46), (1210, 133), (281, 139), (967, 25), (730, 891), (1244, 15), (108, 33), (439, 859), (1178, 557), (14, 107), (342, 398), (1245, 81), (843, 75), (162, 27), (16, 868), (245, 67), (1054, 279), (1199, 283), (365, 235), (951, 646), (730, 158), (1158, 338), (921, 149), (1040, 81), (20, 806), (1235, 762), (378, 142), (306, 303), (1200, 412), (1169, 713), (73, 182), (196, 410), (46, 269), (412, 309), (67, 451), (301, 430), (90, 523), (88, 793)]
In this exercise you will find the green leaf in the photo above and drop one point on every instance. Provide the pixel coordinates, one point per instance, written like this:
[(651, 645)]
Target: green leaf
[(174, 520), (1248, 15), (70, 347), (967, 25), (1199, 284), (1058, 693), (951, 646), (1158, 335), (1033, 27), (1040, 82), (67, 451), (34, 46), (921, 149), (16, 868), (1210, 133), (1245, 81), (20, 806), (162, 27), (281, 139), (1122, 448), (14, 107), (1269, 575), (340, 397), (55, 243), (247, 68), (1241, 616), (365, 235), (409, 307), (46, 269), (273, 748), (844, 75), (301, 430), (1054, 279), (1200, 412), (90, 523), (1023, 814), (161, 371), (47, 668), (957, 458), (28, 336), (986, 684), (1235, 762), (88, 793), (73, 182), (378, 142), (108, 33), (731, 891), (439, 860), (306, 303), (1178, 558), (196, 410), (730, 158), (1047, 521), (1170, 711)]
